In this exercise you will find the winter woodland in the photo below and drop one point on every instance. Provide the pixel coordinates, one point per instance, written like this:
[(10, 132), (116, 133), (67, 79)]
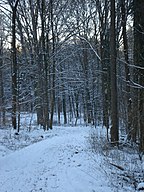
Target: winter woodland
[(71, 95)]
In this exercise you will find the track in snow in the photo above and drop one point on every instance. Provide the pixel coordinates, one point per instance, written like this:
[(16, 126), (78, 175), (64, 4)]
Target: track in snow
[(58, 164)]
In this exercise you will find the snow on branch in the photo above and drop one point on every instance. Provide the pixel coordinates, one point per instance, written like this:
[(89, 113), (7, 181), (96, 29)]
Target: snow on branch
[(13, 3), (90, 46), (137, 67), (134, 66), (136, 85)]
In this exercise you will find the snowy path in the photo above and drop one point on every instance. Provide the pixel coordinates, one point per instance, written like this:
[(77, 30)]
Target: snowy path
[(57, 164)]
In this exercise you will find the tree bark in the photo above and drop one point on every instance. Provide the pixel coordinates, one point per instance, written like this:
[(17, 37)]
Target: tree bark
[(14, 65), (139, 64), (131, 132), (53, 66), (114, 110), (45, 66), (2, 100)]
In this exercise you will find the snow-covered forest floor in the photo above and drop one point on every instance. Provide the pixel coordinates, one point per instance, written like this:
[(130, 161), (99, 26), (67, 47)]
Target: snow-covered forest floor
[(65, 159)]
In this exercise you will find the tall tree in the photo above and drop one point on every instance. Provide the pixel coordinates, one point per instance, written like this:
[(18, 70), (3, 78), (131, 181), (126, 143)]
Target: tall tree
[(2, 100), (139, 65), (130, 132), (13, 5), (114, 110), (103, 13), (53, 64)]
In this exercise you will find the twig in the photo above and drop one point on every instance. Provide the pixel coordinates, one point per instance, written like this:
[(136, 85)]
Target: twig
[(117, 166)]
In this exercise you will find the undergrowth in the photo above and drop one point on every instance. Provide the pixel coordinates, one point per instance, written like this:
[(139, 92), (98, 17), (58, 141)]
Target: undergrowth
[(125, 168)]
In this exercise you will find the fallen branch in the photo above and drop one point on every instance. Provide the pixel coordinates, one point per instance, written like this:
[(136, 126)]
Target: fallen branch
[(117, 166)]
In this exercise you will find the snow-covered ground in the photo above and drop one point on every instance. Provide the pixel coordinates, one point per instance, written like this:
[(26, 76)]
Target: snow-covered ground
[(62, 160), (59, 163)]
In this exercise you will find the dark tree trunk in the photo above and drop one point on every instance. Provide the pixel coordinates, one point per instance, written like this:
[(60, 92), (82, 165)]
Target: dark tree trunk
[(59, 109), (45, 67), (139, 64), (114, 110), (130, 131), (64, 109), (53, 66), (104, 52), (14, 65)]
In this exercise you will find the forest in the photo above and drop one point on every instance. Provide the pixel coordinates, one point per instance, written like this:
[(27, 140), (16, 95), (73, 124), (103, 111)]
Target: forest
[(81, 59)]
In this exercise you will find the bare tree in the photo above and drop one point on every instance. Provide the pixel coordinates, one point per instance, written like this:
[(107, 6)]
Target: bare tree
[(13, 5), (114, 110), (2, 99), (130, 132), (139, 70)]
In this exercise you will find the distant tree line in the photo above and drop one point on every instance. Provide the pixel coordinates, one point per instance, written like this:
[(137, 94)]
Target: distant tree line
[(77, 59)]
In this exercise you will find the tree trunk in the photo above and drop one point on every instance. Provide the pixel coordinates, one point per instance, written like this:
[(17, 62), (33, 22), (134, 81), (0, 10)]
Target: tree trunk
[(129, 130), (53, 66), (45, 66), (14, 66), (2, 101), (114, 111), (139, 64), (59, 110), (64, 109)]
